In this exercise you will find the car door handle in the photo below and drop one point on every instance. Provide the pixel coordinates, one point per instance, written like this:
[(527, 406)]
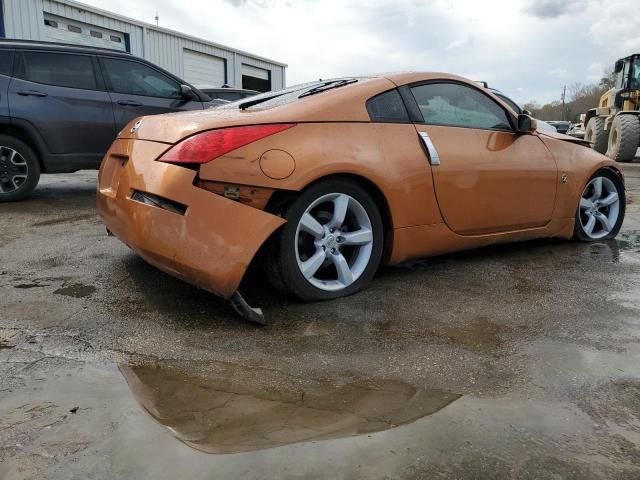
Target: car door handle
[(129, 103), (32, 93), (434, 158)]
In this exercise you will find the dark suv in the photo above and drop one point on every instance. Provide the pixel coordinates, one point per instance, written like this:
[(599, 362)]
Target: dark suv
[(61, 107)]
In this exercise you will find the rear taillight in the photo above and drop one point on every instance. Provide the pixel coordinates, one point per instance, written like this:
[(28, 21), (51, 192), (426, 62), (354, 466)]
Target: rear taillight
[(206, 146)]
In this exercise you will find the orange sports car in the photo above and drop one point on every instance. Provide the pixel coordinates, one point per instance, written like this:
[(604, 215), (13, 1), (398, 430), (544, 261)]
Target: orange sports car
[(326, 181)]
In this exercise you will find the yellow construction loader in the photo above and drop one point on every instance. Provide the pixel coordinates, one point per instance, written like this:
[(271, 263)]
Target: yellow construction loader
[(614, 127)]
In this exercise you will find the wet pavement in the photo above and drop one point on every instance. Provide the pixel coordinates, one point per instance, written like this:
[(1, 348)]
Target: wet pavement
[(518, 362)]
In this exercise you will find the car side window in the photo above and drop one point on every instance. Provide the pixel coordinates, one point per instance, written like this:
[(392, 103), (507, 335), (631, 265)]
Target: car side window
[(387, 107), (59, 69), (456, 105), (6, 62), (134, 78)]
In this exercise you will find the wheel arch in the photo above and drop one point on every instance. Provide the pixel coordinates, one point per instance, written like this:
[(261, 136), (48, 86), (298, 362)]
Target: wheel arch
[(24, 134), (281, 198), (589, 115)]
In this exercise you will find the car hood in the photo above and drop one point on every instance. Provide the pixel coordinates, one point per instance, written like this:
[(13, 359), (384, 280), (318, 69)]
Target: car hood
[(566, 138)]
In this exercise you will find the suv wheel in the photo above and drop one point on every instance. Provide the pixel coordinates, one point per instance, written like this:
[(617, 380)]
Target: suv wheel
[(19, 169)]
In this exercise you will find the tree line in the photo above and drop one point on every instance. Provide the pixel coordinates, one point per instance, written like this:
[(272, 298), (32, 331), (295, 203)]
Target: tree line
[(580, 99)]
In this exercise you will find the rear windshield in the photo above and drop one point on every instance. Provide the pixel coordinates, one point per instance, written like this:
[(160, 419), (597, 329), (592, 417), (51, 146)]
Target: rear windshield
[(291, 94)]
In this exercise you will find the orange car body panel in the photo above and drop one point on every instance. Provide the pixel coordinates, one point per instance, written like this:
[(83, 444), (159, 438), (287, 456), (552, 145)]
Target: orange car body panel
[(211, 245), (490, 187)]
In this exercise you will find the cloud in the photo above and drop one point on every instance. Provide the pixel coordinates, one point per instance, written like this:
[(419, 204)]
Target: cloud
[(554, 8), (528, 50)]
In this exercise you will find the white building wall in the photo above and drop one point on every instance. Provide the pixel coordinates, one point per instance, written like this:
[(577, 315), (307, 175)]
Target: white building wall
[(24, 19)]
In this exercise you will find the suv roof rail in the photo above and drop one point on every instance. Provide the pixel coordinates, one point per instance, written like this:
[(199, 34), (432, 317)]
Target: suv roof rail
[(58, 44)]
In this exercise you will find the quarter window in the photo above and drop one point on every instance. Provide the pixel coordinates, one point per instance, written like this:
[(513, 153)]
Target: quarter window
[(133, 78), (387, 107), (457, 105), (60, 69)]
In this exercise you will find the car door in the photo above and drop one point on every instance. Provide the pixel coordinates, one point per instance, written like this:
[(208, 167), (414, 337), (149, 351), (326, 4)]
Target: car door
[(60, 96), (139, 89), (487, 177)]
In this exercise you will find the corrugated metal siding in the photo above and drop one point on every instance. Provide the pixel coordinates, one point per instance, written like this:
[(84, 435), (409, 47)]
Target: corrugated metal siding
[(25, 19)]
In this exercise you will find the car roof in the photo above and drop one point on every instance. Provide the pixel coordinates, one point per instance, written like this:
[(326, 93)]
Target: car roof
[(63, 47)]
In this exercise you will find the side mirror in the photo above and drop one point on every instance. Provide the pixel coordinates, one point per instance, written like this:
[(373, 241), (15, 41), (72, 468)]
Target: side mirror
[(187, 92), (526, 112), (618, 66), (526, 123)]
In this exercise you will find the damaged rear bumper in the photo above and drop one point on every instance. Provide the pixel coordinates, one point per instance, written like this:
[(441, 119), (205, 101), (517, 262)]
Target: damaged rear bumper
[(188, 232)]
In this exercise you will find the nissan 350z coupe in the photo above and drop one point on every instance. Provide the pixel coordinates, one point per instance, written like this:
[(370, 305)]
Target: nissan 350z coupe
[(326, 181)]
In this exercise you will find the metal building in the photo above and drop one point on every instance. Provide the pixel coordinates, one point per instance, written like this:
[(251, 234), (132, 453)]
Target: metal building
[(198, 61)]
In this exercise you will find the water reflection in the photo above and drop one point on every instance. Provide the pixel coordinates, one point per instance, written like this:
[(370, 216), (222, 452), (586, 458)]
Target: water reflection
[(234, 409)]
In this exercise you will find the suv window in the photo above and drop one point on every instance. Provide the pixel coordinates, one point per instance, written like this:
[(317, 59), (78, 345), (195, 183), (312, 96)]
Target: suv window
[(60, 69), (387, 107), (6, 62), (134, 78), (457, 105)]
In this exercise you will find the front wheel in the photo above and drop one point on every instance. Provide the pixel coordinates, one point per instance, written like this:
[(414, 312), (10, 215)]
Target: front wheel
[(601, 209), (331, 245)]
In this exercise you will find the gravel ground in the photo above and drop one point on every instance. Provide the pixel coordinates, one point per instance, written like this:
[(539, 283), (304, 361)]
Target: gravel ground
[(519, 362)]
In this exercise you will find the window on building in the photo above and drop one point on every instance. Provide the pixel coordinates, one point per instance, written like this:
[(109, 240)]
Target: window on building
[(457, 105), (95, 34), (116, 39), (60, 69), (50, 23), (74, 29), (134, 78)]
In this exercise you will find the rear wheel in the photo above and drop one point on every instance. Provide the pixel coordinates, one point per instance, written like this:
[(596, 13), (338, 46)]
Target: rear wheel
[(596, 134), (19, 169), (601, 209), (624, 138), (331, 245)]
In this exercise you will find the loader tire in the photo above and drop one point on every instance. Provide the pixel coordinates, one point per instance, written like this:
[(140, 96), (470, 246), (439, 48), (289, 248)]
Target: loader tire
[(624, 138), (596, 134)]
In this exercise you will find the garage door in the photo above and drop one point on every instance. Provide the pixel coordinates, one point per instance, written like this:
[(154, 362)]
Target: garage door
[(254, 78), (66, 30), (202, 69)]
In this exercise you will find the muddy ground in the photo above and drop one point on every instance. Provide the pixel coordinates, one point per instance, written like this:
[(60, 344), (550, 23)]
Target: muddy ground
[(512, 362)]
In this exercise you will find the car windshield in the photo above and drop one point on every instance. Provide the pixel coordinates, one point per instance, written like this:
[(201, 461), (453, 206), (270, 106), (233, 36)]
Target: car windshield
[(291, 94)]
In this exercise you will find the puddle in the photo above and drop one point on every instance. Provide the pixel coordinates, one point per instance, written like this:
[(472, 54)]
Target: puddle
[(31, 285), (629, 240), (233, 409), (71, 219), (77, 290), (480, 336)]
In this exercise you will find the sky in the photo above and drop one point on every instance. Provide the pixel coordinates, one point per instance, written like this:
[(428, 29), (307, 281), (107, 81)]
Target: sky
[(529, 49)]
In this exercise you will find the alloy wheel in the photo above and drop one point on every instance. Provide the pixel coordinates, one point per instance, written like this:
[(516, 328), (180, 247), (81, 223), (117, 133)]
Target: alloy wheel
[(13, 170), (599, 207), (334, 241)]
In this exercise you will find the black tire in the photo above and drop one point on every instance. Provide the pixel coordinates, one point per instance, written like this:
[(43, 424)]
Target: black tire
[(579, 233), (596, 134), (32, 170), (282, 265), (624, 138)]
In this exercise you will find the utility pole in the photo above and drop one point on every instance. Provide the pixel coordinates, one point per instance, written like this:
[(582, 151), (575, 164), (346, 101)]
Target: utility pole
[(564, 94), (157, 18)]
